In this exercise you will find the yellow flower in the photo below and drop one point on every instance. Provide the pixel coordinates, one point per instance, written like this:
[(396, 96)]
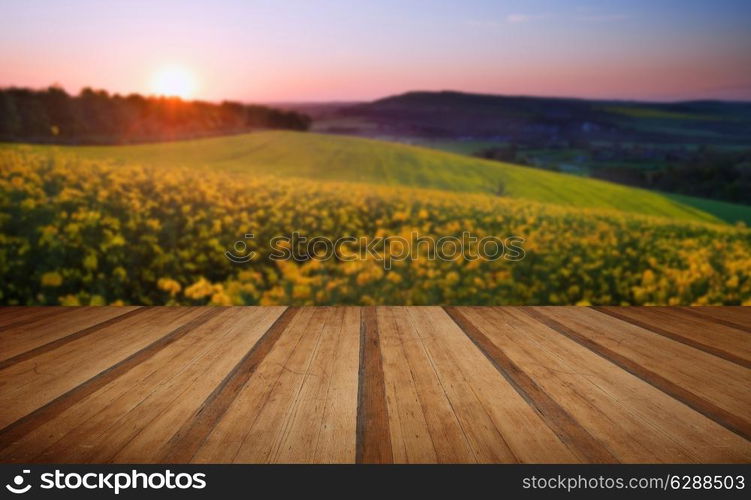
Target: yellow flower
[(169, 285), (648, 277), (52, 279), (199, 289), (220, 299), (90, 261), (69, 300)]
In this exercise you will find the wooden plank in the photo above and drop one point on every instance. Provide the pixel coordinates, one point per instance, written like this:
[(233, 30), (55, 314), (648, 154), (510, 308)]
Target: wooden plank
[(195, 384), (373, 437), (494, 421), (411, 441), (387, 384), (637, 422), (570, 432), (733, 316), (461, 429), (722, 341), (488, 409), (326, 403), (675, 368), (12, 317), (250, 427), (32, 390), (337, 442), (268, 426), (24, 343), (193, 433), (49, 327), (186, 374), (94, 429), (8, 312), (179, 377)]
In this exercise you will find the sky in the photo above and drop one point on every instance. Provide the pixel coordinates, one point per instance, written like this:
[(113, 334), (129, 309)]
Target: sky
[(336, 50)]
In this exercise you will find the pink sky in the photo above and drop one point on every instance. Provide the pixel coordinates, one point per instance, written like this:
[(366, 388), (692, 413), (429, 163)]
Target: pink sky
[(335, 50)]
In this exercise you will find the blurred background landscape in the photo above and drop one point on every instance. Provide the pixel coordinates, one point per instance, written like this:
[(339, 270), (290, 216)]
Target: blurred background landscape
[(626, 171)]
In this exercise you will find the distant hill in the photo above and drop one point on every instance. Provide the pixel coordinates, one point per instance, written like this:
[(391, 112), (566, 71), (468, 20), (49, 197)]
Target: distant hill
[(329, 157), (542, 119), (694, 148)]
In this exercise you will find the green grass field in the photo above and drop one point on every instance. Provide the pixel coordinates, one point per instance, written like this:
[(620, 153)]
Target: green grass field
[(729, 212), (340, 158), (645, 112)]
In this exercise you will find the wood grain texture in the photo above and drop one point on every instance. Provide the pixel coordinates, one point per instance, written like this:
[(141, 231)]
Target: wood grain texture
[(489, 409), (721, 340), (194, 431), (572, 433), (373, 437), (635, 421), (320, 424), (142, 405), (733, 316), (22, 343), (675, 368), (15, 316), (30, 399), (374, 385), (252, 425), (292, 409)]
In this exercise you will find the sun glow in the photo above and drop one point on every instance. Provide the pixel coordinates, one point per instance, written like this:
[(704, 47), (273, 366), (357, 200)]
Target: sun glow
[(174, 81)]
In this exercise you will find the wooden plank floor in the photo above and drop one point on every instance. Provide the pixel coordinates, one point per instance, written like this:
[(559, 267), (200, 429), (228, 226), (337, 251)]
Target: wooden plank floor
[(375, 385)]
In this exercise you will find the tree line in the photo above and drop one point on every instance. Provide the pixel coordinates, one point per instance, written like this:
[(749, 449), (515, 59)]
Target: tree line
[(708, 173), (96, 117)]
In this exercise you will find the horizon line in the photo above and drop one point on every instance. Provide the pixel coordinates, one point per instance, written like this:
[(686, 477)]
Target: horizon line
[(363, 101)]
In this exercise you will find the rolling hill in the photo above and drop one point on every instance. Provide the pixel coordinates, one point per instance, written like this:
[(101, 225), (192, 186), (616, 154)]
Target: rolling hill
[(525, 118), (339, 158)]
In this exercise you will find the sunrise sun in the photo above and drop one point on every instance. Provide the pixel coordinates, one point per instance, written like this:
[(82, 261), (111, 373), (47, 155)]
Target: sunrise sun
[(174, 81)]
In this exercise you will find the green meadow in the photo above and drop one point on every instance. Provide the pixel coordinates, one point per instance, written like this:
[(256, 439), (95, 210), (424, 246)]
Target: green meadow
[(339, 158)]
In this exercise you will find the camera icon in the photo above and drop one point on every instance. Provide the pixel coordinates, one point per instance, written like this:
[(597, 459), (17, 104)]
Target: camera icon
[(17, 484)]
